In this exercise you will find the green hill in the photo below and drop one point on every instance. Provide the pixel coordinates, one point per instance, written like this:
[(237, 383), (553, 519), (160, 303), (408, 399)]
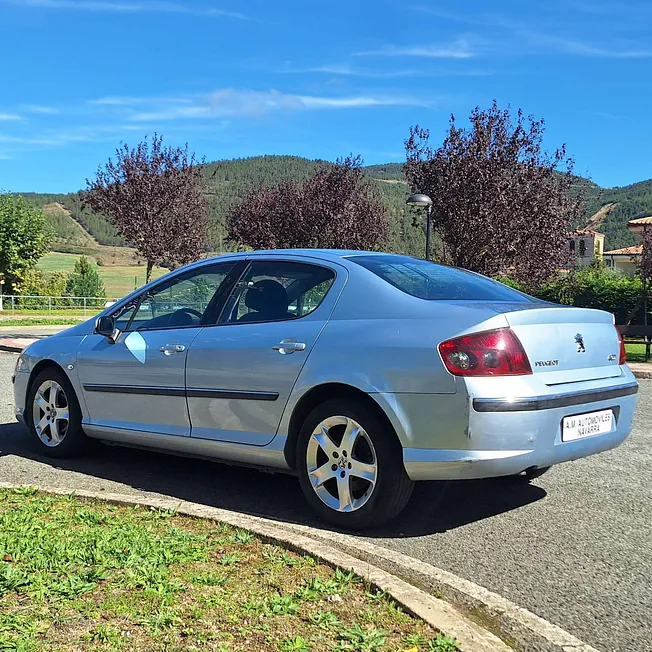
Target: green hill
[(607, 210)]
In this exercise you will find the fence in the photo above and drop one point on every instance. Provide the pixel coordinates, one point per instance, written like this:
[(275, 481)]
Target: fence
[(39, 305)]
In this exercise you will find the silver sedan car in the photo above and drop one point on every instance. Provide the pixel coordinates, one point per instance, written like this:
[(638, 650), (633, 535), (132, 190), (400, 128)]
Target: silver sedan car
[(360, 372)]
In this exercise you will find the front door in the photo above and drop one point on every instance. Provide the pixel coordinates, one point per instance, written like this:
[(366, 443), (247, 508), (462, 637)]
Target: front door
[(138, 383), (240, 372)]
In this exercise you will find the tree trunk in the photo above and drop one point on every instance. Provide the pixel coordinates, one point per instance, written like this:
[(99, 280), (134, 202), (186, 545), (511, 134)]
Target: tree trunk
[(148, 275)]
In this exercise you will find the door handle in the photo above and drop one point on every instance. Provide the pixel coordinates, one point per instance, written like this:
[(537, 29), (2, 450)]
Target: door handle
[(171, 349), (289, 346)]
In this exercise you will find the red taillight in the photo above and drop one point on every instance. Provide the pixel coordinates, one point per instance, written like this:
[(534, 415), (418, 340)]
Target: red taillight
[(623, 352), (491, 353)]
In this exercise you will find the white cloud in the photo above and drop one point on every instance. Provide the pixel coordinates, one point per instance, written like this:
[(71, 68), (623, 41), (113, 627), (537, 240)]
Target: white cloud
[(43, 110), (350, 71), (515, 38), (459, 49), (50, 140), (130, 7), (232, 102), (11, 116), (126, 101), (581, 48)]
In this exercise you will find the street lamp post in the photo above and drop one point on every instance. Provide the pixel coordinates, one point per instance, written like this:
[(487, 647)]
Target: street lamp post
[(419, 199)]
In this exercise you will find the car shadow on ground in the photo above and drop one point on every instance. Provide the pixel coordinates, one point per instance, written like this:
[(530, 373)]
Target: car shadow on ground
[(435, 506)]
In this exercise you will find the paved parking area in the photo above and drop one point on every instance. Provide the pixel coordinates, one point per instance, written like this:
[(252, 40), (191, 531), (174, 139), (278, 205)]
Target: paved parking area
[(575, 547)]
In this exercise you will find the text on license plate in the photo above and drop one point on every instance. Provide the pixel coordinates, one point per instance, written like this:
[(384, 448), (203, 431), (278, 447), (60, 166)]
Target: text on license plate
[(584, 425)]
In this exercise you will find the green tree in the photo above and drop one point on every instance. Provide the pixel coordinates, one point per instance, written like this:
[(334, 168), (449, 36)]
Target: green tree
[(85, 281), (24, 238)]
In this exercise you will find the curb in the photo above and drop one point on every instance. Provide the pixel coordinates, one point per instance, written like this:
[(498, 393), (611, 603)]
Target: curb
[(439, 614), (642, 374), (14, 344), (11, 349), (522, 629)]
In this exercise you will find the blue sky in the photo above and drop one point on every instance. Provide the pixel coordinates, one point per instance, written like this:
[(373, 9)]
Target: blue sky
[(315, 78)]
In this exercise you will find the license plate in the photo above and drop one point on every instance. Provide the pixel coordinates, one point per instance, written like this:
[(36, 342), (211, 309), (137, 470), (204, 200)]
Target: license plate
[(585, 425)]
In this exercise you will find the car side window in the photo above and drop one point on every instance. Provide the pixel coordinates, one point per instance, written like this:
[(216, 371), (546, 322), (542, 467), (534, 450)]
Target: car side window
[(178, 303), (277, 290)]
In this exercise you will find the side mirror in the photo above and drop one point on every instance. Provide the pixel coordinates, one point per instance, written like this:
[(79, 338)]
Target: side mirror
[(106, 326)]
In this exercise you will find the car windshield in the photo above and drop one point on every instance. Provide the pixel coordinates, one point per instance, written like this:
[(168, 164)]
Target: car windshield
[(434, 282)]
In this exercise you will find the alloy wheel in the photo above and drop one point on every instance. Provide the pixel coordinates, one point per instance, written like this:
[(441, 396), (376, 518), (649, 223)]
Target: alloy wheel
[(51, 413), (341, 463)]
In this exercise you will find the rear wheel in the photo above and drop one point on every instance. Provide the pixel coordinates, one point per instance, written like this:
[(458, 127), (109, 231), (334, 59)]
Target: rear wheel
[(53, 415), (350, 465)]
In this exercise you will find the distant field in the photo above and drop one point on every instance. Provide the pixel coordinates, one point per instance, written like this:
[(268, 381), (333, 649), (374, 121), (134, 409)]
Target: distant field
[(118, 279)]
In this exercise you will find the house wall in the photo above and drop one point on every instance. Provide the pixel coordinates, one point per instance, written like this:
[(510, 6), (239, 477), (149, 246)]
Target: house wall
[(621, 262)]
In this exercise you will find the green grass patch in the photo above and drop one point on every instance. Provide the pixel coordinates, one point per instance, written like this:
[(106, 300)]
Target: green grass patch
[(35, 321), (636, 352), (119, 280), (92, 576)]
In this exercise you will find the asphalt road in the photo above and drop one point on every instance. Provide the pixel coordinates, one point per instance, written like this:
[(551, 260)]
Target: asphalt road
[(575, 547)]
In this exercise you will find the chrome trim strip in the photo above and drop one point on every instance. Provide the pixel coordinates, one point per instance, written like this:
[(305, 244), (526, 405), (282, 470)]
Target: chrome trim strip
[(136, 389), (181, 391), (553, 401), (231, 393)]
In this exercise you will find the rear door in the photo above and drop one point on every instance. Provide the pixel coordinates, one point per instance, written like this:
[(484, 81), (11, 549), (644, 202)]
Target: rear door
[(241, 371)]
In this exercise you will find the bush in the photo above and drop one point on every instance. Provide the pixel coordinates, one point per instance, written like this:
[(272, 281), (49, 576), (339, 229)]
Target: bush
[(36, 283), (506, 280), (596, 287)]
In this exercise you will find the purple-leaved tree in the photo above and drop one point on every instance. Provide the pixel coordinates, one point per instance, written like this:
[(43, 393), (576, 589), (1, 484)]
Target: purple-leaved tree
[(336, 208), (501, 205), (153, 195)]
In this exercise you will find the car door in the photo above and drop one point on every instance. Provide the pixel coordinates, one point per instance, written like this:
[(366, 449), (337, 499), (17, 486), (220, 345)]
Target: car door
[(241, 371), (138, 382)]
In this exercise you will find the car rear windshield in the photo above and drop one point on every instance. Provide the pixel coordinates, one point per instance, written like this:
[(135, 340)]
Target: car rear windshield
[(434, 282)]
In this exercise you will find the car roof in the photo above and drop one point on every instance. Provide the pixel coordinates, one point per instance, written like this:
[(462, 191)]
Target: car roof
[(324, 254)]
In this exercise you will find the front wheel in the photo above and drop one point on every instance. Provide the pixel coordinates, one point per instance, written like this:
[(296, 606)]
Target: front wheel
[(350, 466), (53, 415)]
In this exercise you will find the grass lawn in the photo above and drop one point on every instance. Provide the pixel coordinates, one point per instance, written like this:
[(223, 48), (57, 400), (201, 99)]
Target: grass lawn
[(636, 352), (118, 280), (36, 321), (90, 576)]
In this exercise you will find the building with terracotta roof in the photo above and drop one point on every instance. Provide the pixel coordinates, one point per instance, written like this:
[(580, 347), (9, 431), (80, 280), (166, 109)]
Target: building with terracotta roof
[(626, 259), (640, 224)]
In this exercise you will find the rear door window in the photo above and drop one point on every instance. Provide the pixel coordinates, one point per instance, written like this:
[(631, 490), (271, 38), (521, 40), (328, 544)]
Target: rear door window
[(434, 282), (278, 290)]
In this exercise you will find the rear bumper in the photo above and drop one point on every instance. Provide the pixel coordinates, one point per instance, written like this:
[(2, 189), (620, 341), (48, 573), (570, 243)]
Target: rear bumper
[(507, 441)]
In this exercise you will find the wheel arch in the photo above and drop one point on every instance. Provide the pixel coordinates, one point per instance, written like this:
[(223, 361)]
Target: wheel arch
[(47, 363), (316, 395)]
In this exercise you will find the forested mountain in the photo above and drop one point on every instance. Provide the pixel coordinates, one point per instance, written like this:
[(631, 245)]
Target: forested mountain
[(228, 181)]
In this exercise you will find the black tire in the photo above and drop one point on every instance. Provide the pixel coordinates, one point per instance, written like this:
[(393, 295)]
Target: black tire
[(73, 441), (393, 487), (526, 476)]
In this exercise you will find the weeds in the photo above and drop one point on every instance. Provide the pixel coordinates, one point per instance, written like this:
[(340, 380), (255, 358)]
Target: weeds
[(85, 575)]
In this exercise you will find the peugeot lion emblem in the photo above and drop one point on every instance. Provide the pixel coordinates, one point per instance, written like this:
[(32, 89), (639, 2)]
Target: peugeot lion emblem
[(579, 340)]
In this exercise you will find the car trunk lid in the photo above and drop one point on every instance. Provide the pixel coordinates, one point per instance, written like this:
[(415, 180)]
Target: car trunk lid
[(566, 344)]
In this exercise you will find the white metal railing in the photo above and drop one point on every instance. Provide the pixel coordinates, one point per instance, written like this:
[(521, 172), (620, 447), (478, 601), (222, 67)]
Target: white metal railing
[(13, 303)]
